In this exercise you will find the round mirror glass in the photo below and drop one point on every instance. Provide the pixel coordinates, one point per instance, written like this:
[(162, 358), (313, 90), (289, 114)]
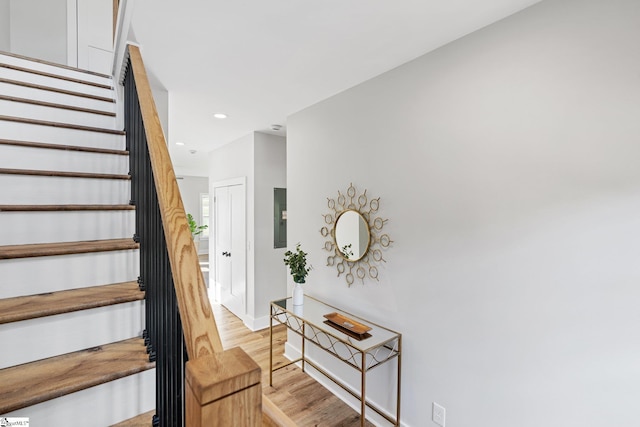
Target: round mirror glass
[(352, 235)]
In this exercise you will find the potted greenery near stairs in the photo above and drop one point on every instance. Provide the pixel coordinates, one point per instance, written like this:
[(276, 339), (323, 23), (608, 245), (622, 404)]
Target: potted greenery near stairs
[(297, 262)]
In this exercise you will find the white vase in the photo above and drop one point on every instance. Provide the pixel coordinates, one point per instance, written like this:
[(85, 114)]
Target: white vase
[(298, 294)]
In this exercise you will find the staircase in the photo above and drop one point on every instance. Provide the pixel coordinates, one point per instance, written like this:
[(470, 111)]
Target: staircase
[(71, 312)]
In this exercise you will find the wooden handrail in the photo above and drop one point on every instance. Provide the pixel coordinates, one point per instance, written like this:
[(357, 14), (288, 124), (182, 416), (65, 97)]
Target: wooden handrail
[(200, 331), (221, 387)]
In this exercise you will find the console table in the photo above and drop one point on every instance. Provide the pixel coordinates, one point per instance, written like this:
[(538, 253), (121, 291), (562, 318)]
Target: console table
[(362, 353)]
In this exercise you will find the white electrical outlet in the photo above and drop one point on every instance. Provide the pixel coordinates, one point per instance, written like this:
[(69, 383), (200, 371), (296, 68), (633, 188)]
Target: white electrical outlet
[(439, 414)]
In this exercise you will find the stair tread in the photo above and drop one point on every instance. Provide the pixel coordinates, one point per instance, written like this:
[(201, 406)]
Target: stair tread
[(142, 420), (52, 303), (56, 105), (48, 208), (54, 64), (45, 145), (57, 90), (55, 76), (65, 248), (65, 174), (32, 383), (61, 125)]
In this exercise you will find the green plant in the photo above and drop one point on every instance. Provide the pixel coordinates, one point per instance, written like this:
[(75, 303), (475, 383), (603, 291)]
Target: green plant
[(194, 227), (346, 251), (297, 262)]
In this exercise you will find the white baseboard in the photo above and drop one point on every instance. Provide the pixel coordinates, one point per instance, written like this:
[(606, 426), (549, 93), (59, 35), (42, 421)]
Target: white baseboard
[(256, 324), (292, 353)]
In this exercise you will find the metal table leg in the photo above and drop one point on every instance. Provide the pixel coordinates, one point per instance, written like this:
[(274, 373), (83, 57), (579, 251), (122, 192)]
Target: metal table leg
[(363, 397), (271, 349)]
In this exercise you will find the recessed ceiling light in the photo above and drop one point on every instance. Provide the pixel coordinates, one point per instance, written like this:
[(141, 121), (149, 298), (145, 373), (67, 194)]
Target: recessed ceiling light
[(220, 115), (179, 143)]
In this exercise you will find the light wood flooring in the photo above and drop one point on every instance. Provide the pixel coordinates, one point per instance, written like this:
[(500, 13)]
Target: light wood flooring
[(299, 396)]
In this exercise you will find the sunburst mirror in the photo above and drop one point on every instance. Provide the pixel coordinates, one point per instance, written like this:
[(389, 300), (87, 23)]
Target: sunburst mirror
[(354, 235)]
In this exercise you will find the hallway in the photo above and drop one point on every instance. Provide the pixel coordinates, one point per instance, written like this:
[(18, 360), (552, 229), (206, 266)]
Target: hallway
[(299, 396)]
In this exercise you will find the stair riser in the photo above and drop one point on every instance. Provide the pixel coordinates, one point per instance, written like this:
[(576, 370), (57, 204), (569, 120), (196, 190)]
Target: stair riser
[(55, 135), (22, 76), (33, 190), (39, 112), (16, 157), (37, 339), (24, 63), (31, 276), (98, 406), (18, 91), (68, 226)]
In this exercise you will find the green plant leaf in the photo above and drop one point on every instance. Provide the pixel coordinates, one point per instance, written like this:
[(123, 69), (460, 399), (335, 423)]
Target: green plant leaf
[(194, 227), (297, 262)]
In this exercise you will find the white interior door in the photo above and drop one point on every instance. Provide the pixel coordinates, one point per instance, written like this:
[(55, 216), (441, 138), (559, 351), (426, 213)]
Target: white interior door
[(230, 246), (222, 232)]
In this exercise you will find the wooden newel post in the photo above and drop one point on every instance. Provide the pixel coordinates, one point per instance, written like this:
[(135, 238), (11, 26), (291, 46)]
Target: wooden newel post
[(223, 390)]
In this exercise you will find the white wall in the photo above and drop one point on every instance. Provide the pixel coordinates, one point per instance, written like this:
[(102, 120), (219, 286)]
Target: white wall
[(39, 29), (94, 35), (161, 98), (270, 272), (507, 164), (5, 28), (262, 159)]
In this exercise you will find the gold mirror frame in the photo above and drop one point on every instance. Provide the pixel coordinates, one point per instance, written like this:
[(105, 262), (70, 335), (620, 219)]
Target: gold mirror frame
[(366, 265)]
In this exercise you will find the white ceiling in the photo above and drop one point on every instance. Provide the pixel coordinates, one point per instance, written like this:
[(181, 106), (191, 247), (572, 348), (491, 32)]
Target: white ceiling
[(261, 60)]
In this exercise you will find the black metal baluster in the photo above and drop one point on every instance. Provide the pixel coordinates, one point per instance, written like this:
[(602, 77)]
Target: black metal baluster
[(163, 333)]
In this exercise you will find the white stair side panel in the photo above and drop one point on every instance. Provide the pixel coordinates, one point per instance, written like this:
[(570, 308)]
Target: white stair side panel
[(34, 190), (54, 135), (51, 69), (65, 226), (17, 157), (54, 114), (9, 89), (22, 76), (31, 276), (50, 336), (99, 406)]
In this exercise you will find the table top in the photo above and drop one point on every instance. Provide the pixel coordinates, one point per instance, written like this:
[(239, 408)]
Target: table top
[(313, 311)]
